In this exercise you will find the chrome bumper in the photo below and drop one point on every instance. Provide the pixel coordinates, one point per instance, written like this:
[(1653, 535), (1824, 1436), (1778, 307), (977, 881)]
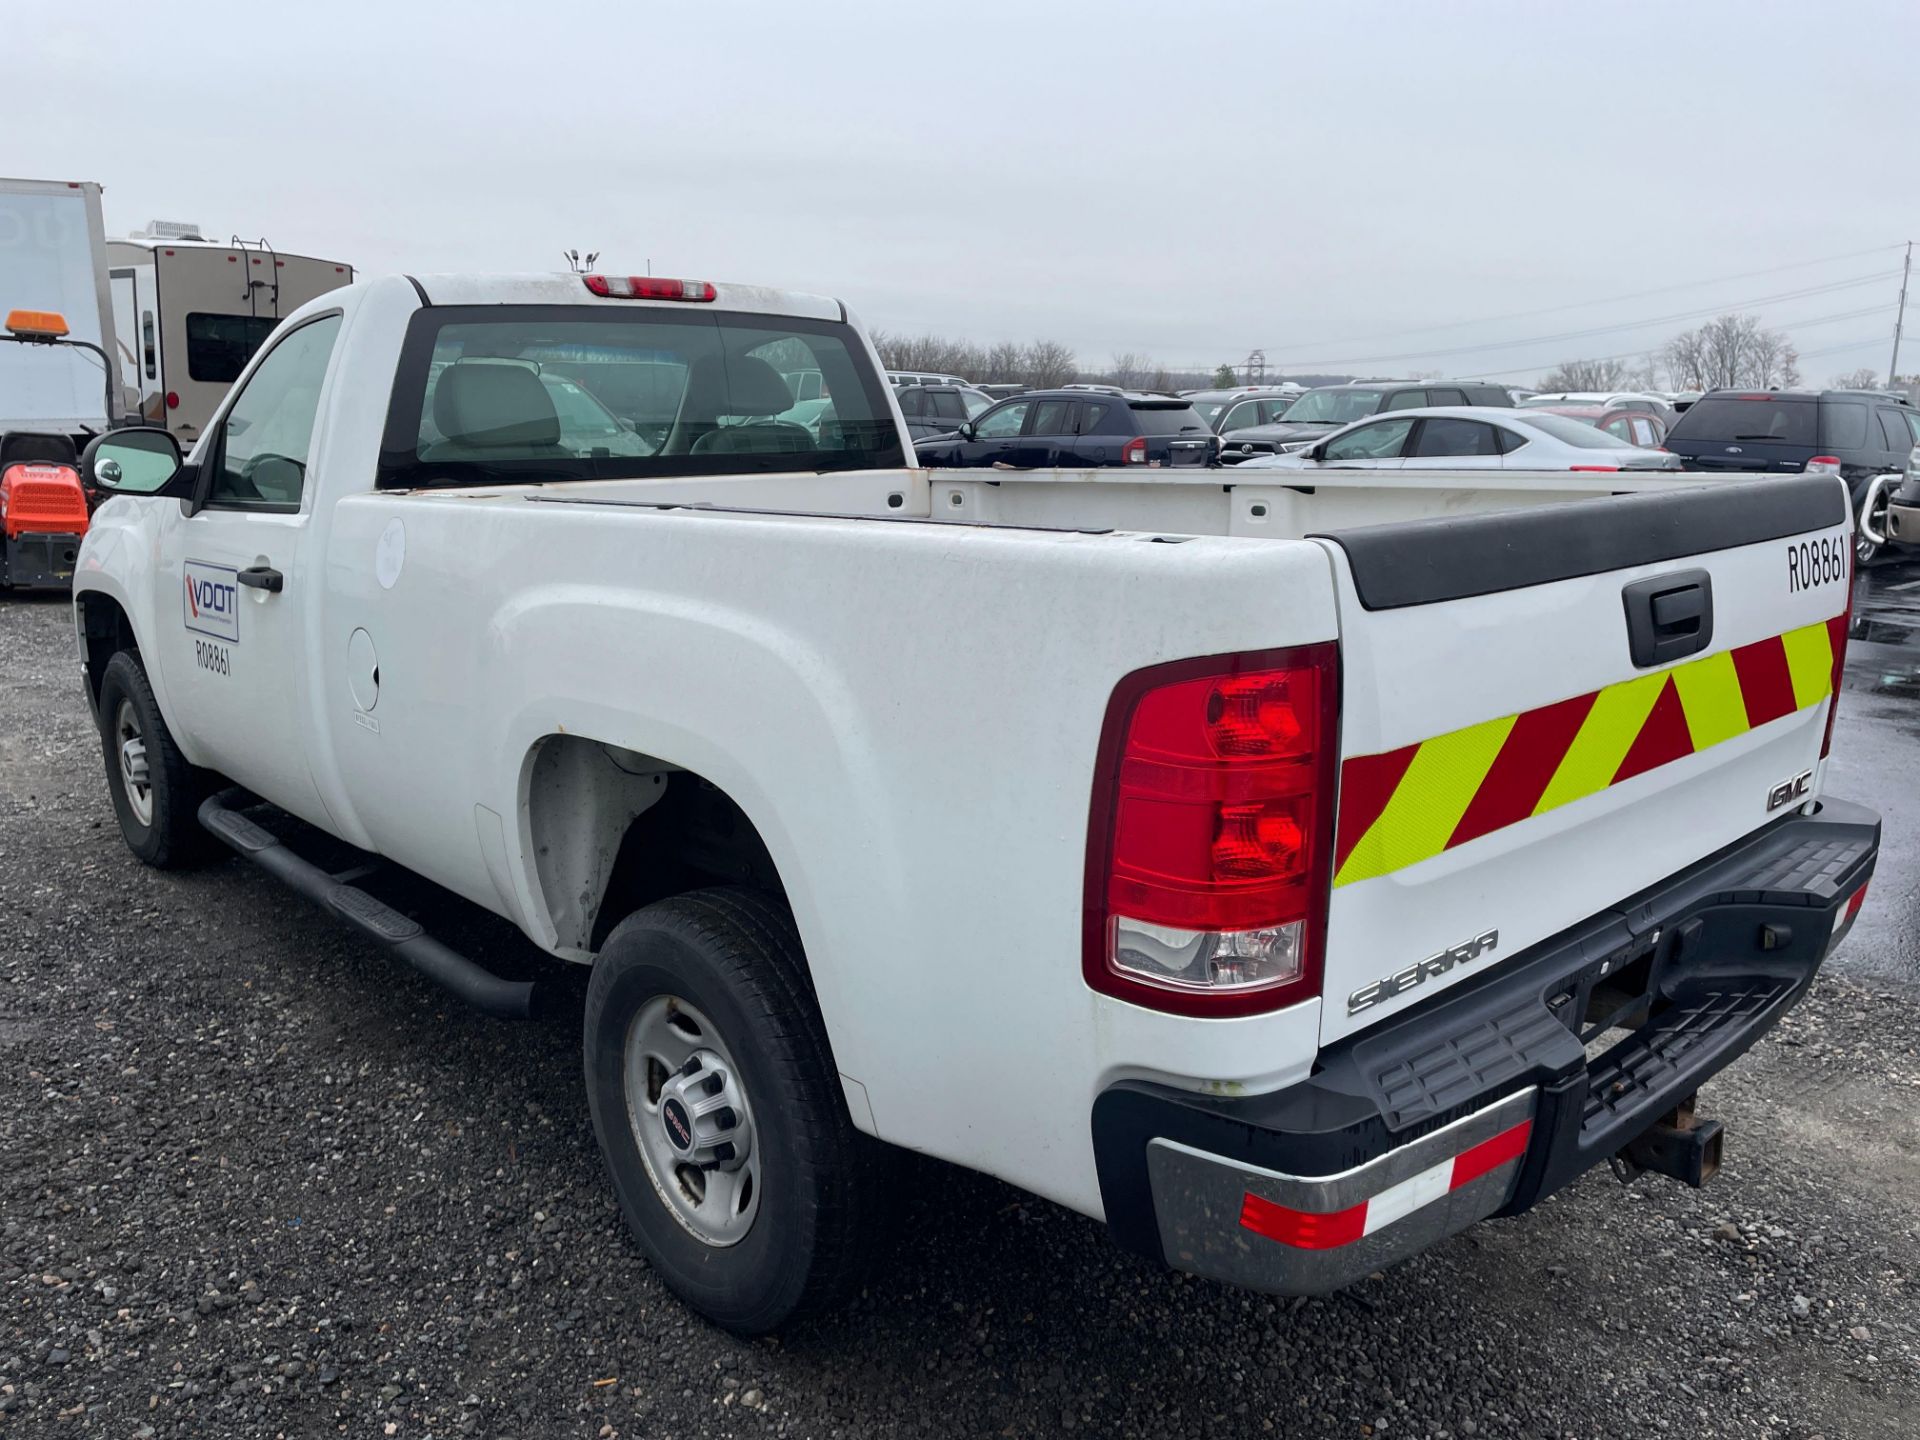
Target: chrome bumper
[(1306, 1235)]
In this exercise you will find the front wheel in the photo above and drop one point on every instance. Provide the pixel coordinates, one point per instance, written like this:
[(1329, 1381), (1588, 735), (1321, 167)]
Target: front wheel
[(156, 793), (720, 1112)]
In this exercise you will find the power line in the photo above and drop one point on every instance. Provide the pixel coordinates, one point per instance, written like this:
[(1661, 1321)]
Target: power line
[(1513, 344), (1584, 304), (1648, 350)]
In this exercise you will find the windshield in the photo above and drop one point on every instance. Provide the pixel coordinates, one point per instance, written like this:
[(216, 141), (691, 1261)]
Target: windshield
[(1781, 419), (588, 392), (1209, 410), (1332, 407), (1577, 433)]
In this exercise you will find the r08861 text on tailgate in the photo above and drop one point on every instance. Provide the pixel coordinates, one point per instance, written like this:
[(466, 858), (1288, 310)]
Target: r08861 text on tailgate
[(1815, 562)]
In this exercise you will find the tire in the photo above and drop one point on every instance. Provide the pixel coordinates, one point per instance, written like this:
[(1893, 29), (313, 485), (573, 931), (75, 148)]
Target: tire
[(777, 1219), (160, 822)]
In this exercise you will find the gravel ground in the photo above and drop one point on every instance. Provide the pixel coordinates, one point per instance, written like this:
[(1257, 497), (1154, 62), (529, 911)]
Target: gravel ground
[(256, 1181)]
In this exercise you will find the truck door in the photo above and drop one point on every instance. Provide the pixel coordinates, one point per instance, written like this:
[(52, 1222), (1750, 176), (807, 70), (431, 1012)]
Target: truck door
[(235, 666)]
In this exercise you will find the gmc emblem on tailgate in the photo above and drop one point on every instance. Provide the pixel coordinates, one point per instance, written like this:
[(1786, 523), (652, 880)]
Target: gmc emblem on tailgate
[(1789, 792), (1402, 981)]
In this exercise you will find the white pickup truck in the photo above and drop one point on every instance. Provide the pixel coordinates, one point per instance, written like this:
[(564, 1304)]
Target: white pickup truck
[(1287, 901)]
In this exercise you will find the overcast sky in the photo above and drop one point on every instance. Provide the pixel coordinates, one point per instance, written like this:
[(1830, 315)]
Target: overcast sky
[(1333, 182)]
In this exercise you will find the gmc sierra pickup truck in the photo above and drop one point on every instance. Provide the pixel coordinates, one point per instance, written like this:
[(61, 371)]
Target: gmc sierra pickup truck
[(1286, 900)]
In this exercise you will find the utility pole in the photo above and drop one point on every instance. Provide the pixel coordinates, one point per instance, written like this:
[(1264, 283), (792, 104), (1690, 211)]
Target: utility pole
[(1893, 366)]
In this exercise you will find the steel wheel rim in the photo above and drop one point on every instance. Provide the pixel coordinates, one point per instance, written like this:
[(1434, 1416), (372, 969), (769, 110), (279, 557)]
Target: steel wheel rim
[(131, 747), (692, 1122)]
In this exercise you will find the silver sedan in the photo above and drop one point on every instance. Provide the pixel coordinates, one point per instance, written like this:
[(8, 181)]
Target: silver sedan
[(1467, 437)]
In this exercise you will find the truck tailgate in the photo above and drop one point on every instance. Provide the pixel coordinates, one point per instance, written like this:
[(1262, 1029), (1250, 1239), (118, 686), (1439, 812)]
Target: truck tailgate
[(1510, 766)]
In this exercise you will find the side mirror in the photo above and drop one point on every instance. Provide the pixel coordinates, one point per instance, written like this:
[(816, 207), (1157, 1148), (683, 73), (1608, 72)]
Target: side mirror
[(137, 461), (965, 430)]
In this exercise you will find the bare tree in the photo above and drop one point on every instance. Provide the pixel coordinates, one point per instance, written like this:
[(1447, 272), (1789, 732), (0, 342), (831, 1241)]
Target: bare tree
[(1048, 364), (1127, 368), (1732, 352), (1608, 374), (1862, 379), (1004, 365), (1772, 360), (1160, 380)]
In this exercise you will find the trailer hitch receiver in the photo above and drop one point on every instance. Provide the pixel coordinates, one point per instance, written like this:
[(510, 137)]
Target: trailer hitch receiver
[(1680, 1144)]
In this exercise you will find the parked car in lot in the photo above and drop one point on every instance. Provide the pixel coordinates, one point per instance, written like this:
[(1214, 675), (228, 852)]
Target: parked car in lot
[(1245, 407), (1903, 506), (1077, 427), (1177, 870), (931, 410), (1630, 427), (1322, 411), (1469, 438), (1868, 433), (1607, 399), (899, 378)]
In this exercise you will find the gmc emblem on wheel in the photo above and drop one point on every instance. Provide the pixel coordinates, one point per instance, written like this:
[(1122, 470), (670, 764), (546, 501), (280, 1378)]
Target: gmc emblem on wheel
[(1402, 981), (1789, 792)]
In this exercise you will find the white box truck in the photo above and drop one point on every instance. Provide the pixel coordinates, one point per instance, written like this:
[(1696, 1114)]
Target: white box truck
[(190, 313), (53, 260)]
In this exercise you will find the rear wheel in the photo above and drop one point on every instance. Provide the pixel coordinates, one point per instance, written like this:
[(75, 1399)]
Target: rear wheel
[(156, 793), (720, 1112)]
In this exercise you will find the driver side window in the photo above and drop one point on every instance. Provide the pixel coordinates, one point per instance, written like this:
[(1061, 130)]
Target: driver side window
[(261, 455), (1379, 441), (1003, 422)]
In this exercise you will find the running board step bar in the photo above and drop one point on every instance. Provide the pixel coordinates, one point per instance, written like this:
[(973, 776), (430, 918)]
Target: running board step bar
[(481, 988)]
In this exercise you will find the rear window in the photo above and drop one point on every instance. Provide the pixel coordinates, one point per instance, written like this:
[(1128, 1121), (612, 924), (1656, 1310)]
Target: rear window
[(1576, 433), (492, 394), (1772, 419), (219, 346), (1149, 419)]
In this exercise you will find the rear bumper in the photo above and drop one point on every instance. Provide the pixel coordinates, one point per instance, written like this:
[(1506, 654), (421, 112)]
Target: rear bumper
[(1485, 1100), (1903, 521), (32, 558)]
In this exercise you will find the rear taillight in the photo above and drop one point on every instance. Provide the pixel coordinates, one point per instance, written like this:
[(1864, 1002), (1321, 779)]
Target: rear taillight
[(173, 400), (1210, 842), (647, 287), (1823, 465), (1134, 452)]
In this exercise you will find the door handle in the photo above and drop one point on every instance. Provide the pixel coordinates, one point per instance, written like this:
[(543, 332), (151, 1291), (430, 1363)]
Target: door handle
[(1668, 617), (262, 577)]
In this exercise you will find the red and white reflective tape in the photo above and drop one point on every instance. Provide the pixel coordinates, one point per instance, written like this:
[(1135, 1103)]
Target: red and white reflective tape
[(1850, 909), (1306, 1230)]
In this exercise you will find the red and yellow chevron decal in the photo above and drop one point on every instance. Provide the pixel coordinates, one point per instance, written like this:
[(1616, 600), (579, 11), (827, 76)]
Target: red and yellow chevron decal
[(1421, 800)]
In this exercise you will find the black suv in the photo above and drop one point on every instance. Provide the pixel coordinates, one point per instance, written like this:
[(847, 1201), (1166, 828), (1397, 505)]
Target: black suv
[(1077, 427), (1322, 411), (1869, 433)]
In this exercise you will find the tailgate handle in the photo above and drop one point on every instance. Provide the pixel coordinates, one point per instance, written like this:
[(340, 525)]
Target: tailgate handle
[(1668, 617)]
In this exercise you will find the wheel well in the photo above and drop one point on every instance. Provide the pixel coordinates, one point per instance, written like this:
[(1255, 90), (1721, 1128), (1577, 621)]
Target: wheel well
[(105, 631), (614, 830)]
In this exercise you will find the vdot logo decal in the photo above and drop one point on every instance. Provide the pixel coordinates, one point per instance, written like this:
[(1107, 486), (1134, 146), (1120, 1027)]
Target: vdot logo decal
[(212, 602)]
